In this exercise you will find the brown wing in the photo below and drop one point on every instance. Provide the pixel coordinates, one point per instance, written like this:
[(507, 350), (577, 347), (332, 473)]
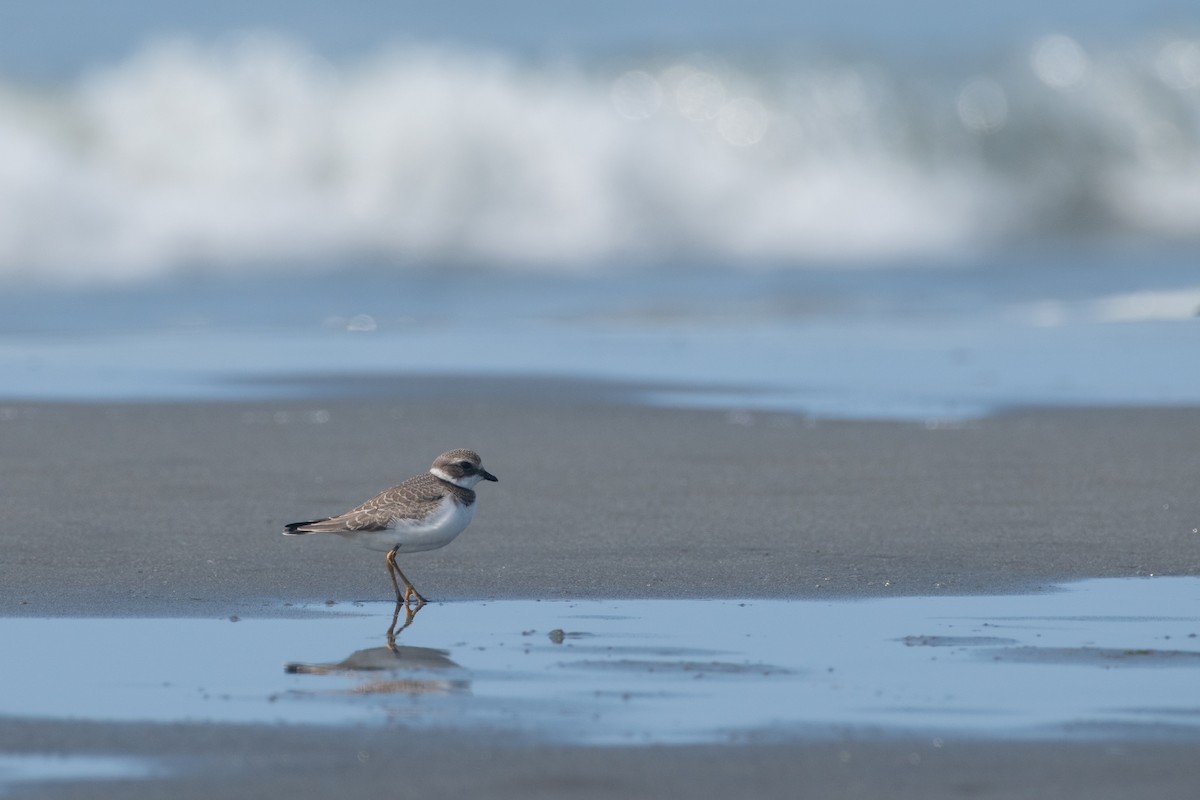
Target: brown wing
[(412, 499)]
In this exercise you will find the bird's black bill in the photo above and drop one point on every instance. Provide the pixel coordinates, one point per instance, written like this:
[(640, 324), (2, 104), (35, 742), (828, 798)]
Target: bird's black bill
[(487, 476)]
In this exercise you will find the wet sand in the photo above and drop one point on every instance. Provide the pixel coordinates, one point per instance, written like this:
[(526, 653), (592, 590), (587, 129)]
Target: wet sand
[(175, 509), (301, 762)]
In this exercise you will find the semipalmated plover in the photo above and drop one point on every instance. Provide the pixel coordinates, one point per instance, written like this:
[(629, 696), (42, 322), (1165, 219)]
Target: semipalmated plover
[(423, 513)]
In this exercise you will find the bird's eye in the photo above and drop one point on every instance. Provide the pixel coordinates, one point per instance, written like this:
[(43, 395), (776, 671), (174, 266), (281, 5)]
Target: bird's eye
[(465, 465)]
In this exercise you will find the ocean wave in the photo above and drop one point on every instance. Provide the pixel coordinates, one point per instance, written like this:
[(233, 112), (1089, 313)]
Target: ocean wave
[(256, 153)]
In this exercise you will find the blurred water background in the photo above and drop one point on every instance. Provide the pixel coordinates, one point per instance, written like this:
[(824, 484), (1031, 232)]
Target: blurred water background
[(925, 210)]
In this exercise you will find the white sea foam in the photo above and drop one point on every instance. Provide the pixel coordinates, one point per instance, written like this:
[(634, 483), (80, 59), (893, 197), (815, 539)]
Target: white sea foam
[(1178, 304), (256, 152)]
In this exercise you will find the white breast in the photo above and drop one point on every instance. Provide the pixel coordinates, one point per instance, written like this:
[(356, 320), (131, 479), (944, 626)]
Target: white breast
[(436, 530)]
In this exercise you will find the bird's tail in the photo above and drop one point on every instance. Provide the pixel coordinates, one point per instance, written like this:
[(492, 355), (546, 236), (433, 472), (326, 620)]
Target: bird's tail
[(308, 669), (297, 528)]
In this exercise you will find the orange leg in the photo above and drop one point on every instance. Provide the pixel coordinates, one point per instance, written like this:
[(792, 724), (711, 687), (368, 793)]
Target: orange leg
[(410, 591)]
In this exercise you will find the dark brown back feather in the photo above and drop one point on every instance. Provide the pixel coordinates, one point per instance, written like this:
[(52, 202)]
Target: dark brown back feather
[(412, 499)]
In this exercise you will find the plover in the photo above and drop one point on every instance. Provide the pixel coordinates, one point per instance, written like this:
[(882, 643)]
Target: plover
[(423, 513)]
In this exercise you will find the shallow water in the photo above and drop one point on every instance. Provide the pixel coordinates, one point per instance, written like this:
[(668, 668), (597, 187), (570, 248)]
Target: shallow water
[(914, 344), (1060, 663), (25, 768)]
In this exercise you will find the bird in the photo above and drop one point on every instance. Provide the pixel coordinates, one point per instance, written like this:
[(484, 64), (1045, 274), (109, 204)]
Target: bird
[(424, 512)]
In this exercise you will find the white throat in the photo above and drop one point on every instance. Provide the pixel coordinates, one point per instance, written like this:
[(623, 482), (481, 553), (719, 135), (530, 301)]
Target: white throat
[(466, 481)]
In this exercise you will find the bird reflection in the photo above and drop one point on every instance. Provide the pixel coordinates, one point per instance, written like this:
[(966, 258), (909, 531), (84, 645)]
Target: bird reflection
[(410, 613), (392, 658)]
